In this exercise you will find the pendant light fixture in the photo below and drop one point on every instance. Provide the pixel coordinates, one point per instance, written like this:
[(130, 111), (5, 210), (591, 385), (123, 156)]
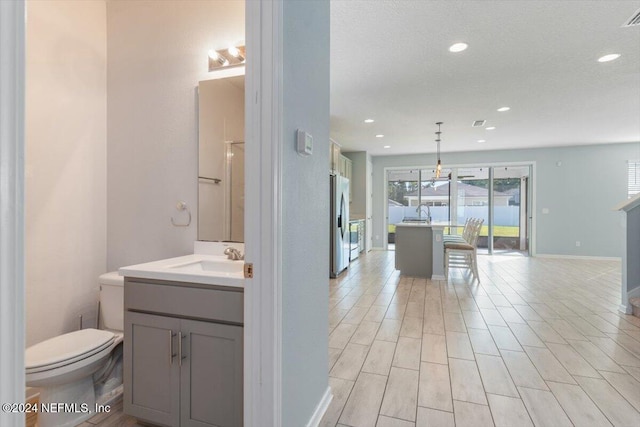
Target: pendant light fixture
[(439, 165)]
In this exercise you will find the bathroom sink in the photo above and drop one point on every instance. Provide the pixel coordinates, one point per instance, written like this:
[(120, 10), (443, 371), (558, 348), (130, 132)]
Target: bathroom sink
[(196, 268), (222, 267)]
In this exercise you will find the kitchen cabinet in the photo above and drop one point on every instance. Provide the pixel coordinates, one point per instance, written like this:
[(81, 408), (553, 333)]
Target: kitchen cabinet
[(346, 170), (183, 354), (334, 158), (356, 238)]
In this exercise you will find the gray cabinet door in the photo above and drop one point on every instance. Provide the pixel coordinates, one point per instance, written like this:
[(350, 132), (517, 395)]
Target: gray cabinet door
[(151, 368), (211, 379)]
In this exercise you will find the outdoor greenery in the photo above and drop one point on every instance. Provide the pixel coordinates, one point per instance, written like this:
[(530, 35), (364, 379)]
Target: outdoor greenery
[(398, 189)]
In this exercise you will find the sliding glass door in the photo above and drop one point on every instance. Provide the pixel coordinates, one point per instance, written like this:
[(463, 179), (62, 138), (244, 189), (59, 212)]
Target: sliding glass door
[(510, 209), (499, 195)]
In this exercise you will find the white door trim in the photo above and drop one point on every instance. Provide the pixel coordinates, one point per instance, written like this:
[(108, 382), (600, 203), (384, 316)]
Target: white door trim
[(12, 300), (263, 214)]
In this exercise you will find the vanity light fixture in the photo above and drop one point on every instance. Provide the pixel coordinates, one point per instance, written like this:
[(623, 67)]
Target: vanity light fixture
[(610, 57), (458, 47), (439, 165), (235, 52), (216, 58), (233, 56)]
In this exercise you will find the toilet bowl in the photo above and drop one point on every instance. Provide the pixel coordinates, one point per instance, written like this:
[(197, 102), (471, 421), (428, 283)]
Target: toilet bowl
[(64, 366)]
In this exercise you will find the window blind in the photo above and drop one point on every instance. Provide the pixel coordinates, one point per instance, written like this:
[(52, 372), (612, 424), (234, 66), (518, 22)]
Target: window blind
[(633, 183)]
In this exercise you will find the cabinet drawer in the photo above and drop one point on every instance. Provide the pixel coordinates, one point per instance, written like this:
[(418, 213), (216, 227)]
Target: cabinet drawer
[(184, 301)]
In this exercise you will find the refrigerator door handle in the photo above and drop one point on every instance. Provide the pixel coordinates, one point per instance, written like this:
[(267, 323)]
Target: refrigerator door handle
[(341, 216)]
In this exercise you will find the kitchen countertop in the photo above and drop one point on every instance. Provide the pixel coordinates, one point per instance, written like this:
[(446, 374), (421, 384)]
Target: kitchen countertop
[(187, 269), (423, 224)]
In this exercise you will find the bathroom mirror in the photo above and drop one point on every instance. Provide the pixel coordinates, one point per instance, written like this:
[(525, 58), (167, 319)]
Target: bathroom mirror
[(221, 159)]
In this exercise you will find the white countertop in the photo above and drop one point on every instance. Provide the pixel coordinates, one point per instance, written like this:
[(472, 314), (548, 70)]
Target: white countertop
[(182, 269), (423, 224)]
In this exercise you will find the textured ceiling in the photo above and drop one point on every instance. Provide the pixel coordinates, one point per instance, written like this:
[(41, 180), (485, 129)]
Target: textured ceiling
[(390, 62)]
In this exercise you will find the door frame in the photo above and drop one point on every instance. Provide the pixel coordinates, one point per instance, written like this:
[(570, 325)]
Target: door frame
[(263, 319), (12, 147), (263, 213)]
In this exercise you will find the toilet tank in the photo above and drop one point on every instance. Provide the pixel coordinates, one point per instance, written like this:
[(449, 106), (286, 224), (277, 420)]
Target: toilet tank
[(112, 301)]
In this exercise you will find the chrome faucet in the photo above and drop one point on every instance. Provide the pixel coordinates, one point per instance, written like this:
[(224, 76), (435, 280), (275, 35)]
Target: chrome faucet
[(233, 254), (419, 211)]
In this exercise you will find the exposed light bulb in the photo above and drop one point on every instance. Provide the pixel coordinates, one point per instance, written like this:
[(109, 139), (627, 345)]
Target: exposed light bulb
[(216, 57), (235, 52)]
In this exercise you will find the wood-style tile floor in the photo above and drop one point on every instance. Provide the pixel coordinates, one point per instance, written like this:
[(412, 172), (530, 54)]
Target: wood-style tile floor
[(537, 342)]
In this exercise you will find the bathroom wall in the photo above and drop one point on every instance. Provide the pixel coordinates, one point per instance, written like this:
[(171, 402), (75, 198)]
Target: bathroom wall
[(66, 145), (157, 54)]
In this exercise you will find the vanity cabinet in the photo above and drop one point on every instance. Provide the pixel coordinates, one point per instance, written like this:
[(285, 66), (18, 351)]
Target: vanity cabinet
[(183, 353)]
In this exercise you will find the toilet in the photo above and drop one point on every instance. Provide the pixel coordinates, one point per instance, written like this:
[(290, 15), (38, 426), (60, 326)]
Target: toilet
[(63, 367)]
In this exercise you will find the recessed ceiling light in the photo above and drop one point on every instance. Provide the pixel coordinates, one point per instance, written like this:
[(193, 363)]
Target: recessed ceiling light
[(387, 146), (609, 57), (482, 140), (458, 47), (369, 120), (503, 109), (491, 128), (379, 135)]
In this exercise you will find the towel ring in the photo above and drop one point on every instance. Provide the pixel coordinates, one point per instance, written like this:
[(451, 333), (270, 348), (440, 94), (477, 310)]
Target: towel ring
[(182, 206)]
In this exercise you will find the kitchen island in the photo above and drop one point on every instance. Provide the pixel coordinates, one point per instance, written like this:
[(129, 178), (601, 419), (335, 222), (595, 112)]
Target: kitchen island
[(419, 249)]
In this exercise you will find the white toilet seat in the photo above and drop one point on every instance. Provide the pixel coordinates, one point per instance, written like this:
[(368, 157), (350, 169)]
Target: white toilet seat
[(66, 349)]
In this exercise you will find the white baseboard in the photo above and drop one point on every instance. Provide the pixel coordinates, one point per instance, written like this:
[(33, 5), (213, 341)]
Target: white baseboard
[(583, 257), (626, 309), (321, 408), (437, 277)]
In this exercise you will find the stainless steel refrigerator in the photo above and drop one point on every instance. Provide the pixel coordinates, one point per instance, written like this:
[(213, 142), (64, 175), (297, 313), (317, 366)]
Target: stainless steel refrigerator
[(339, 224)]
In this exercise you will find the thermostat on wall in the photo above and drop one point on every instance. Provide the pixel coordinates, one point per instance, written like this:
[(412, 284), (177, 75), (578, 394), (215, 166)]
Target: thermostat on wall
[(305, 143)]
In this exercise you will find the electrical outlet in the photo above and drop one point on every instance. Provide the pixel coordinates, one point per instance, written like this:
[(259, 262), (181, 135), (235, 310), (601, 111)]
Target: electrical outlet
[(578, 243)]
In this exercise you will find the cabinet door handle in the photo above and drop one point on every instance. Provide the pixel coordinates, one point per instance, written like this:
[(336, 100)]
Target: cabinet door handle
[(180, 338), (171, 353)]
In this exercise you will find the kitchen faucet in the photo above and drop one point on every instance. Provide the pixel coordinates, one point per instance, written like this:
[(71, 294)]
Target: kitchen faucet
[(419, 211), (233, 254)]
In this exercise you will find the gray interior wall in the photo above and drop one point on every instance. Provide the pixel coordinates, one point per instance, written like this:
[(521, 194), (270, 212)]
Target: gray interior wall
[(358, 183), (305, 206), (580, 193)]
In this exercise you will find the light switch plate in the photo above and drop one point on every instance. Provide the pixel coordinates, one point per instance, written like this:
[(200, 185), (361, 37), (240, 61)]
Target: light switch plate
[(305, 143)]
